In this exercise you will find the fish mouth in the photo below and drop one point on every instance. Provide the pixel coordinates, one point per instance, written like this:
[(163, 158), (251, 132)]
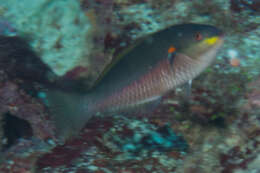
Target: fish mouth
[(215, 40)]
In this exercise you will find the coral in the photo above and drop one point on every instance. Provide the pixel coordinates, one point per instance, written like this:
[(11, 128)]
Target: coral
[(99, 148), (145, 139)]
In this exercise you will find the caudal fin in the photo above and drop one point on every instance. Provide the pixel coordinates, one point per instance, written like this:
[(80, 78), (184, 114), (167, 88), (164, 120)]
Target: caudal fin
[(69, 111)]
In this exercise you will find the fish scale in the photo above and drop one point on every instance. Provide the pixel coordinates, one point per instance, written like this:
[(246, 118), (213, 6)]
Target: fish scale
[(144, 89)]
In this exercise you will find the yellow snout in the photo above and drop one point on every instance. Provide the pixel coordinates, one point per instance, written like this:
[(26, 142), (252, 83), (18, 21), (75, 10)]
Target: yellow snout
[(211, 40)]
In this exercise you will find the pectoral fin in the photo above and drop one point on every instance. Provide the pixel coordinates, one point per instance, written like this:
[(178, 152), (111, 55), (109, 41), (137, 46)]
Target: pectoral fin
[(171, 54)]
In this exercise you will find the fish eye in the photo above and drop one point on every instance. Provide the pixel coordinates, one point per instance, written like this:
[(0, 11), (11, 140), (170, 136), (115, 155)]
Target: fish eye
[(198, 36)]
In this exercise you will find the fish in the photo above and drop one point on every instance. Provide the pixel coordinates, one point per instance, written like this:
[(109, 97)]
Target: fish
[(139, 76)]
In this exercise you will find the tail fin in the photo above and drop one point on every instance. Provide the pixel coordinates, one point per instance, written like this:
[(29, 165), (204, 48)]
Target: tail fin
[(69, 110)]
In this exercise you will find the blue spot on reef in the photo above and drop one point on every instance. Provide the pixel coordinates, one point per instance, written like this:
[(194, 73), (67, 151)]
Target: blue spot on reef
[(43, 97), (163, 139)]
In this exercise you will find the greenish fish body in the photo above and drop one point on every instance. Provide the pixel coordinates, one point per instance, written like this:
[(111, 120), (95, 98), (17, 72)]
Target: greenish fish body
[(149, 70), (156, 65)]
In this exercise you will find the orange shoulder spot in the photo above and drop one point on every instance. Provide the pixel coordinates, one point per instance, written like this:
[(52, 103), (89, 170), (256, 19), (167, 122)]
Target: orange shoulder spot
[(171, 49)]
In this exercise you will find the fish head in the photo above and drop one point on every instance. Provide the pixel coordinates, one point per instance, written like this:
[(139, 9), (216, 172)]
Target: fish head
[(196, 48), (194, 40)]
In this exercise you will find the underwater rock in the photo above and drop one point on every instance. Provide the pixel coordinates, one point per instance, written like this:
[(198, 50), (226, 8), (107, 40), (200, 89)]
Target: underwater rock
[(254, 95), (2, 138), (240, 5), (15, 102), (139, 137), (6, 28), (19, 60), (100, 146), (26, 131), (81, 148), (60, 32), (224, 150), (161, 139), (22, 157)]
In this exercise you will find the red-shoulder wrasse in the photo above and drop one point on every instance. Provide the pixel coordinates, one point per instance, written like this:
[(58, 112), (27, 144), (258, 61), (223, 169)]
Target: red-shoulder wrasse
[(145, 72)]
